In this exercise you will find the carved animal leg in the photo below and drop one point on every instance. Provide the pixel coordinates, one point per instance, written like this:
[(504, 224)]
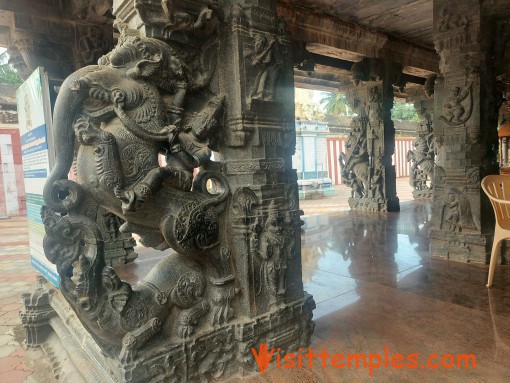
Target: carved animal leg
[(222, 309), (189, 318), (135, 340), (144, 190)]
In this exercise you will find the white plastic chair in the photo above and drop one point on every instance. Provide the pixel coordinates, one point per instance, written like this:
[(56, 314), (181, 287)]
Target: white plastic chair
[(497, 188)]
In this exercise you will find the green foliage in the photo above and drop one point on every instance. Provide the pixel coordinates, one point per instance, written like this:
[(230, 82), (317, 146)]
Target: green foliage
[(334, 103), (404, 112), (7, 74)]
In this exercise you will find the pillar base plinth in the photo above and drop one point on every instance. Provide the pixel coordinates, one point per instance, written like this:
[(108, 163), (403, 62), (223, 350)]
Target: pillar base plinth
[(222, 352), (460, 247)]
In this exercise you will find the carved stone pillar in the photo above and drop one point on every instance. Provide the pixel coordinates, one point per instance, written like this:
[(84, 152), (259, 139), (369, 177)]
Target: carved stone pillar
[(212, 77), (465, 122), (421, 177), (367, 166)]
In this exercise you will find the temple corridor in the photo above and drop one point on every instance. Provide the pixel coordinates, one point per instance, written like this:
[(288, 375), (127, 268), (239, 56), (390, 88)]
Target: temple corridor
[(375, 285)]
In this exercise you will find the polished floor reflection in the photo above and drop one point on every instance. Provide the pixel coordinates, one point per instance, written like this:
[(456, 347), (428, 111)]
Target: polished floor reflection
[(376, 286)]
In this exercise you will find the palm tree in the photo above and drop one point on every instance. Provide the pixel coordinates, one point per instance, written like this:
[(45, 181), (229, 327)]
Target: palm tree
[(7, 74), (334, 103)]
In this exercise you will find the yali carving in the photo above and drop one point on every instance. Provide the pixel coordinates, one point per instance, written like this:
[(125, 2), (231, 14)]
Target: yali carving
[(139, 129), (122, 113)]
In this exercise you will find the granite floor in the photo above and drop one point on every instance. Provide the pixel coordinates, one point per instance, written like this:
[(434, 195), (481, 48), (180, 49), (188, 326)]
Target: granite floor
[(377, 290)]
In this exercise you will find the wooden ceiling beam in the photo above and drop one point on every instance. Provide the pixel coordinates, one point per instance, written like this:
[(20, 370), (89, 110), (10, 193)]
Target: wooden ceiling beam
[(320, 29)]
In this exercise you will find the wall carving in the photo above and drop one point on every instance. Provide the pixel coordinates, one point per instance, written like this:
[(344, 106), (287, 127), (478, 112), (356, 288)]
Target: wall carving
[(266, 61)]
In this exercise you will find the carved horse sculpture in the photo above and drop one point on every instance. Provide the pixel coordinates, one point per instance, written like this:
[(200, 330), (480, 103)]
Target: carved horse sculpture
[(112, 120)]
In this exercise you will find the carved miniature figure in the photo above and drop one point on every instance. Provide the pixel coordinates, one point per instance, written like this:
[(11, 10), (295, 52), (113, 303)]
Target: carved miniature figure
[(457, 212), (422, 168), (447, 21), (265, 59), (182, 20), (452, 217), (91, 46), (457, 113), (377, 185), (174, 21), (369, 69), (374, 94), (351, 181), (271, 249)]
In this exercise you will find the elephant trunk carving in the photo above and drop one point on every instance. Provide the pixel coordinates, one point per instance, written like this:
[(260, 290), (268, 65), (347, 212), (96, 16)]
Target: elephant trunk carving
[(68, 105), (113, 120)]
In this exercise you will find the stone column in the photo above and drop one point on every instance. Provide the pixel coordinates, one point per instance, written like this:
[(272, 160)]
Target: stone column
[(186, 78), (421, 175), (256, 73), (465, 122), (367, 166)]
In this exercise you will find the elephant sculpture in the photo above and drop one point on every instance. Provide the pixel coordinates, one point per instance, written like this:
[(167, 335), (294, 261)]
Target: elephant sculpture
[(112, 121)]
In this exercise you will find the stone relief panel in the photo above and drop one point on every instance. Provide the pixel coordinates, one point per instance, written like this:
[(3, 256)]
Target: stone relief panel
[(457, 214), (458, 106)]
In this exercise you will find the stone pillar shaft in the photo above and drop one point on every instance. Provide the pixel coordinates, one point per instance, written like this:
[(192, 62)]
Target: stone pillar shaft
[(367, 165), (465, 122), (421, 177)]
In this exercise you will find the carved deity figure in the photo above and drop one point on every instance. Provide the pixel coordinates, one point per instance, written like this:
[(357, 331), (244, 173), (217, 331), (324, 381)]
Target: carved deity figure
[(374, 94), (377, 185), (354, 134), (265, 60), (452, 217), (270, 246), (457, 214), (456, 113), (447, 21), (354, 163), (182, 20), (356, 189), (422, 158), (91, 46)]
